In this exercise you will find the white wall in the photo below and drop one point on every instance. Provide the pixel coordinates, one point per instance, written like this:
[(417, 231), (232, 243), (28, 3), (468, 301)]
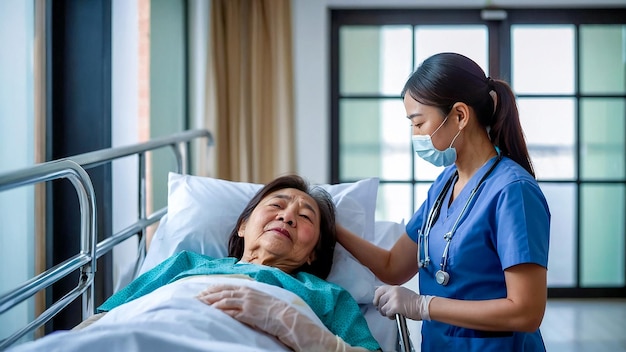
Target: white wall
[(311, 72), (312, 66)]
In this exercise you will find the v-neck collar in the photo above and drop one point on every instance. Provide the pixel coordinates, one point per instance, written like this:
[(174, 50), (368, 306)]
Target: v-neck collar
[(461, 199)]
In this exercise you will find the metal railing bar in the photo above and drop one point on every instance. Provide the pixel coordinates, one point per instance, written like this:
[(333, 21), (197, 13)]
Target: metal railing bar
[(107, 244), (99, 157), (405, 341), (47, 314), (41, 281), (86, 196)]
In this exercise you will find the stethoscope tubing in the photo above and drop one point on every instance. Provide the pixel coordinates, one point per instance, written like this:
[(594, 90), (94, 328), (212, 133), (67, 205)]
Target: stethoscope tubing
[(433, 215)]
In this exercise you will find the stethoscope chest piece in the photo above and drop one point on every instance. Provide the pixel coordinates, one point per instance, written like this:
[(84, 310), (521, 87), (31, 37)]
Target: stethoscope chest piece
[(442, 277)]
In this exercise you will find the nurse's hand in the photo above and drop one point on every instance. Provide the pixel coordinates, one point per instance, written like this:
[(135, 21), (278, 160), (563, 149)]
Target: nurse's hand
[(392, 300)]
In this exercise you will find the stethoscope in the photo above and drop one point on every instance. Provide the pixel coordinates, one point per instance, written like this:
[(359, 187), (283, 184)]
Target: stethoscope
[(442, 276)]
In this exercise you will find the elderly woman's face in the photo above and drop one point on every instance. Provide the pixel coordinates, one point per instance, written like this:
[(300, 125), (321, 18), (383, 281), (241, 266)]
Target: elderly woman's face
[(282, 230)]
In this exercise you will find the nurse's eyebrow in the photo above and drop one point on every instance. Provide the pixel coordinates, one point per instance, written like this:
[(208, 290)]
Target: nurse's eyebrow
[(289, 198), (414, 115)]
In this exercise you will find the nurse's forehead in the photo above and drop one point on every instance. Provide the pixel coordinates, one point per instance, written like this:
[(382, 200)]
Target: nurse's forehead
[(416, 109)]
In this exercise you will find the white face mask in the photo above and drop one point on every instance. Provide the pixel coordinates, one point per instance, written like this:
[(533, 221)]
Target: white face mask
[(423, 146)]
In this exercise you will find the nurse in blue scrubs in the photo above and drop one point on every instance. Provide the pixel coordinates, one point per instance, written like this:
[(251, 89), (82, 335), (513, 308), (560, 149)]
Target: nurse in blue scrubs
[(480, 240)]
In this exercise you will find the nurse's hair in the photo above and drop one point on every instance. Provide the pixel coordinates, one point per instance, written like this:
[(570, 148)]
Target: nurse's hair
[(447, 78), (325, 247)]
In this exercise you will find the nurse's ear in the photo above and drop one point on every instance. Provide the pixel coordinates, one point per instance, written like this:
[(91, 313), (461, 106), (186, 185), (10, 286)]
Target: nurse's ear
[(461, 113)]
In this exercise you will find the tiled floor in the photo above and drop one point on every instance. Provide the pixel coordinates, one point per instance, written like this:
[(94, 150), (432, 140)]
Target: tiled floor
[(583, 325)]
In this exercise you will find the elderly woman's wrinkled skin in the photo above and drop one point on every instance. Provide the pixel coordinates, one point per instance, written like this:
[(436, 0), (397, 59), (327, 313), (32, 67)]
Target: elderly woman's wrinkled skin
[(282, 231)]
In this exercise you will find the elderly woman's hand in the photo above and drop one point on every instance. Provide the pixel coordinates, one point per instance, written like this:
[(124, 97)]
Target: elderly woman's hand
[(273, 316)]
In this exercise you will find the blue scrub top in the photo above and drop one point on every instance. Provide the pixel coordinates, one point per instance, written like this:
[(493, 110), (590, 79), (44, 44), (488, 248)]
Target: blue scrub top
[(507, 223)]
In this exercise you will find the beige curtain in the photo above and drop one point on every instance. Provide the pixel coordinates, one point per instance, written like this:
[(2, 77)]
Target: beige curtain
[(252, 89)]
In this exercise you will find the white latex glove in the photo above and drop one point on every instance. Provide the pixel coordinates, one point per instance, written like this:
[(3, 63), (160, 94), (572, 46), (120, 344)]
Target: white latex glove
[(273, 316), (392, 300)]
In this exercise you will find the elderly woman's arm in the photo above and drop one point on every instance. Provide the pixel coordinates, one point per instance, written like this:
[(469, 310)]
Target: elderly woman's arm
[(275, 317)]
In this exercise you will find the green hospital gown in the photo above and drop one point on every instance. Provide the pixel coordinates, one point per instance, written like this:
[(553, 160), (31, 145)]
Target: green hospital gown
[(333, 305)]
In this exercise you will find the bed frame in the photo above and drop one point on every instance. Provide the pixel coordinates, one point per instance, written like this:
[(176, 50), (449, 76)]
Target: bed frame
[(73, 168)]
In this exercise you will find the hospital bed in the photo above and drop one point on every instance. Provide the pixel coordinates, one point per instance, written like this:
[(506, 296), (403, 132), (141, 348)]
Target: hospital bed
[(355, 203)]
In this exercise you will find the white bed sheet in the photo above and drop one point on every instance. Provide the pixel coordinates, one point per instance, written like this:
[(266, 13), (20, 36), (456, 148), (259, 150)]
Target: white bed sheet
[(171, 319)]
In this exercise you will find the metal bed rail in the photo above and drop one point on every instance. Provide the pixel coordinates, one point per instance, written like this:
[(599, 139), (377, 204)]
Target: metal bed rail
[(85, 260), (178, 142), (403, 334), (73, 168)]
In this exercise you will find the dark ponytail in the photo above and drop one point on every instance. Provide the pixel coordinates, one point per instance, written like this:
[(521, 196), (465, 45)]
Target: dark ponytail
[(505, 129), (447, 78)]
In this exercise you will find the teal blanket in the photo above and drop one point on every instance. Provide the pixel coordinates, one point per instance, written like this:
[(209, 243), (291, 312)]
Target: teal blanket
[(333, 305)]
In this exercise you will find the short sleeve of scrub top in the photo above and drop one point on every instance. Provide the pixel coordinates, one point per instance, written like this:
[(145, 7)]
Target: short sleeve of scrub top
[(523, 223)]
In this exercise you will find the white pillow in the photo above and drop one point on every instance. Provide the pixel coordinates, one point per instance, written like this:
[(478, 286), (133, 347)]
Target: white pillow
[(202, 212), (385, 235)]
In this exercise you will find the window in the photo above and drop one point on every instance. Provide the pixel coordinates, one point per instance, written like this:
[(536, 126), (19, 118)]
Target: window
[(17, 101), (567, 68)]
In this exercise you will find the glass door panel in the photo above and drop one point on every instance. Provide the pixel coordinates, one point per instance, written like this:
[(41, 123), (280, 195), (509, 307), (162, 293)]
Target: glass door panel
[(603, 59), (602, 235), (603, 139), (375, 139), (562, 256), (374, 59), (543, 59), (468, 40), (18, 80), (550, 128)]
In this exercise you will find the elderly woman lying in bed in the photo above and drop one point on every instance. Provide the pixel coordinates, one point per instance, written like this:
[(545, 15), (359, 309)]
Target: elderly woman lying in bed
[(280, 251)]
